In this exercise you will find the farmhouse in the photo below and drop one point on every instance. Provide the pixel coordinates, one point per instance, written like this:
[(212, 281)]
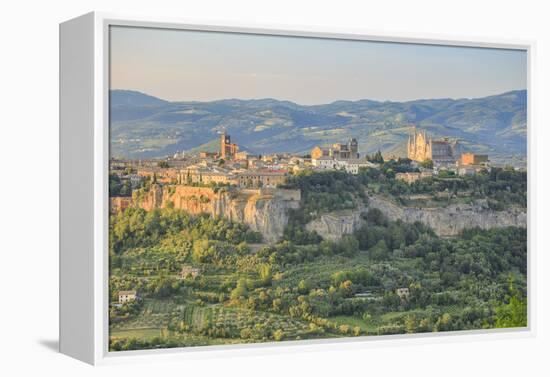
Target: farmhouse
[(187, 270), (403, 293), (126, 296)]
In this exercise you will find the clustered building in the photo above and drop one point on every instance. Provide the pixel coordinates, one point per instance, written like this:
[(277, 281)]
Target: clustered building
[(339, 157), (444, 153), (337, 151), (230, 166), (251, 178), (421, 147)]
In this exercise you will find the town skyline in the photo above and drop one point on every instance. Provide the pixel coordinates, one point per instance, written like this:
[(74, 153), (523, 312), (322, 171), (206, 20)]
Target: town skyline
[(142, 126)]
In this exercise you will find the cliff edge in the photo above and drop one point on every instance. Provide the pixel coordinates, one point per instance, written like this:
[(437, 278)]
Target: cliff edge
[(263, 210)]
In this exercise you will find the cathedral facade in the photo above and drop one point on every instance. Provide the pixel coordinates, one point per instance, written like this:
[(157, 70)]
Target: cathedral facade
[(421, 147)]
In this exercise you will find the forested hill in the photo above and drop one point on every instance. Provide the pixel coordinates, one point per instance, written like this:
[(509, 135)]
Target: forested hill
[(144, 126)]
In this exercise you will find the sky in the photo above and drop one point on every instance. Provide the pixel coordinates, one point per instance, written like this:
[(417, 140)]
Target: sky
[(180, 65)]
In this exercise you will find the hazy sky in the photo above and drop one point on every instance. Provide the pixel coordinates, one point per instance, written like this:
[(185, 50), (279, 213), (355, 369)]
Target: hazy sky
[(205, 66)]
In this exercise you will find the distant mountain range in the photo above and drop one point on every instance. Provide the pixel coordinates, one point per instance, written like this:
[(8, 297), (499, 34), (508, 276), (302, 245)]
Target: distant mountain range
[(143, 126)]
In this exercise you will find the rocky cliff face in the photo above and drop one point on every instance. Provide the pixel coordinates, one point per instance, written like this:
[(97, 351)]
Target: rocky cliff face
[(451, 220), (447, 221), (263, 210), (266, 211), (333, 225)]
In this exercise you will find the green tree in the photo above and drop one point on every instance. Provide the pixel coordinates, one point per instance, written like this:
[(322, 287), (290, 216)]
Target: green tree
[(427, 164), (444, 323), (513, 313), (348, 245), (367, 318), (410, 324), (379, 251), (240, 291), (114, 185), (303, 286), (278, 335), (376, 158), (265, 274)]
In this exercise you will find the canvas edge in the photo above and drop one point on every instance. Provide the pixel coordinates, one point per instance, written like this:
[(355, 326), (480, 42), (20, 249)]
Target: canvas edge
[(76, 191), (102, 356)]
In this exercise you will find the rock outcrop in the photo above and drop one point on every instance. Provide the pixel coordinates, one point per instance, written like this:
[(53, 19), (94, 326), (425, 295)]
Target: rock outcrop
[(451, 220), (266, 211), (333, 225), (263, 210)]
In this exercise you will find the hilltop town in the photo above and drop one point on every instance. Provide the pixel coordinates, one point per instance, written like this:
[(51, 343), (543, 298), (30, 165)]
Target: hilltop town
[(233, 166)]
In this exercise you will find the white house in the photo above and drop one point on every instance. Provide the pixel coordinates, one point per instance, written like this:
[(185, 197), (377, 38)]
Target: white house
[(324, 162), (126, 296), (403, 293), (351, 165)]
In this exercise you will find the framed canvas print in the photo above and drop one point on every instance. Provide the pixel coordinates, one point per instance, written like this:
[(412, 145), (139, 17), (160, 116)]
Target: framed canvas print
[(225, 188)]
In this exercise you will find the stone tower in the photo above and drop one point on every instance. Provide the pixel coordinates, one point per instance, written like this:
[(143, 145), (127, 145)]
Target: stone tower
[(225, 139), (227, 149), (353, 147)]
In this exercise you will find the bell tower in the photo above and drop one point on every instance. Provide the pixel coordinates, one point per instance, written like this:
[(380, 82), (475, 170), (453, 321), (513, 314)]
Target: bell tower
[(225, 141)]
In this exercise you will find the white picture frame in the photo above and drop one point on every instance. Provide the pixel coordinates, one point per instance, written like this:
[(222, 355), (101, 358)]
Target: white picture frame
[(84, 86)]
